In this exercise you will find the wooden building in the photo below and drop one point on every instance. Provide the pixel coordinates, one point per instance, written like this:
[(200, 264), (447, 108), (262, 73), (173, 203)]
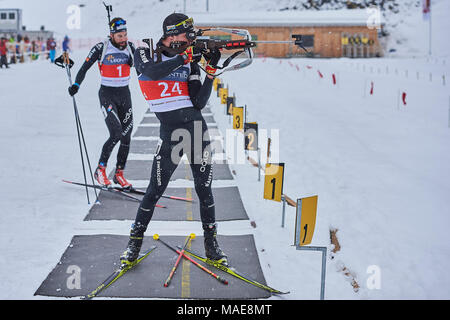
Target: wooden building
[(327, 34)]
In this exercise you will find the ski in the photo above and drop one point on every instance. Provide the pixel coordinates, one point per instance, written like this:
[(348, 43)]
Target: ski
[(224, 281), (232, 271), (110, 189), (116, 275), (128, 190), (141, 192)]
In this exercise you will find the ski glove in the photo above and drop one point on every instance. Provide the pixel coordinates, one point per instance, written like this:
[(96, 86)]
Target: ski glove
[(213, 57), (74, 89), (188, 55), (210, 70)]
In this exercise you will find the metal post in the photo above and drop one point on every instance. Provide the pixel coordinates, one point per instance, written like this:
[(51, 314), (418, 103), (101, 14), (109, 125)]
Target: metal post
[(284, 210), (207, 5), (324, 265)]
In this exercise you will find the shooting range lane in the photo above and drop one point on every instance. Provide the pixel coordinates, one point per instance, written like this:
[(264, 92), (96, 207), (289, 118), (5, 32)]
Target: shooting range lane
[(90, 259), (115, 207), (141, 170)]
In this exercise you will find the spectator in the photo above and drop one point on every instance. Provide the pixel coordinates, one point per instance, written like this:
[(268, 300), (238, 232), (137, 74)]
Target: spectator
[(51, 47), (65, 44), (3, 53)]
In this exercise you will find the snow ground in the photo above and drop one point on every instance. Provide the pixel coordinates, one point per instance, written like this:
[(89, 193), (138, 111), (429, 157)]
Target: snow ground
[(381, 172), (381, 169)]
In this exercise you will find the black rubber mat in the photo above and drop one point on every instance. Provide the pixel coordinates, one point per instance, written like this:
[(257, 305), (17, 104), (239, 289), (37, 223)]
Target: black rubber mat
[(228, 206), (90, 259)]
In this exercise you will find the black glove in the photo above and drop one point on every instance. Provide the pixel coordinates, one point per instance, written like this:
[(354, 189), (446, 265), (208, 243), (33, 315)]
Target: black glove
[(74, 89), (213, 57)]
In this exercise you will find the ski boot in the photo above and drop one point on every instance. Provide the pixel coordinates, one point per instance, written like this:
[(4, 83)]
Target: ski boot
[(101, 176), (130, 255), (212, 249), (119, 179)]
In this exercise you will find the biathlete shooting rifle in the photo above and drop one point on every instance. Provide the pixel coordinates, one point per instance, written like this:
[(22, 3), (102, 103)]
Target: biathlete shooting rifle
[(203, 45)]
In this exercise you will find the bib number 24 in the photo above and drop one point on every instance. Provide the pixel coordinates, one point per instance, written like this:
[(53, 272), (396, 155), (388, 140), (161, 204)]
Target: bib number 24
[(166, 92)]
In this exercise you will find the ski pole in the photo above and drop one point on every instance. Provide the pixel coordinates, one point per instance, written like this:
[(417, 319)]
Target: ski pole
[(112, 190), (82, 134), (67, 65), (172, 272), (65, 62), (177, 198), (224, 281)]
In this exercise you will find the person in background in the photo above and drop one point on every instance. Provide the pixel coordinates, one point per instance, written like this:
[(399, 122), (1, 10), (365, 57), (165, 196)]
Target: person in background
[(114, 58), (51, 47), (65, 44), (3, 53), (12, 49)]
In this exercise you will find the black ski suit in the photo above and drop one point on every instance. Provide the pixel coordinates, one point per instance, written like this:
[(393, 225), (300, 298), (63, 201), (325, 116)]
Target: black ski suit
[(193, 140), (115, 102)]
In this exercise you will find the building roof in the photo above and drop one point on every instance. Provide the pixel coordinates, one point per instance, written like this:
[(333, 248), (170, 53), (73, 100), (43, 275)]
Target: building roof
[(304, 18)]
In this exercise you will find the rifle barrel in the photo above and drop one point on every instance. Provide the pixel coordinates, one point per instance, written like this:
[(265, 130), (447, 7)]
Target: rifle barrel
[(263, 41)]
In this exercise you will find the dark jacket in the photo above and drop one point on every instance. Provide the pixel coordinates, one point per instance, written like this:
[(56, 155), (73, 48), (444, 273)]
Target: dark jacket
[(199, 93)]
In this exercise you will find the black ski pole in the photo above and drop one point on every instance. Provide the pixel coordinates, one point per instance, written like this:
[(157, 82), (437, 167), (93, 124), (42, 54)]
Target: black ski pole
[(82, 137), (64, 62)]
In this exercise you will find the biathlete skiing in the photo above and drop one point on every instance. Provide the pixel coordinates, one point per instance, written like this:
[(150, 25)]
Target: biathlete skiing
[(170, 81), (115, 59)]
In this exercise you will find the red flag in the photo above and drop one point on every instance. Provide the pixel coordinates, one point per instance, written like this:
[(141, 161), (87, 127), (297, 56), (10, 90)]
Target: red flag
[(426, 9)]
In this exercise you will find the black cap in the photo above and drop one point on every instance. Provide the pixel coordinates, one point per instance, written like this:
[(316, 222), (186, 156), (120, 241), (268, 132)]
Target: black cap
[(177, 23)]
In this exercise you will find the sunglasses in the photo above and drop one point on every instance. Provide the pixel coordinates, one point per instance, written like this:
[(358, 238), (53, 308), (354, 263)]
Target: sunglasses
[(119, 22), (188, 23)]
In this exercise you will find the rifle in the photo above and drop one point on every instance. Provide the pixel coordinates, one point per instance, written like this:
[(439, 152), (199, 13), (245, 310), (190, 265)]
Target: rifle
[(108, 10), (246, 44), (210, 44), (205, 45)]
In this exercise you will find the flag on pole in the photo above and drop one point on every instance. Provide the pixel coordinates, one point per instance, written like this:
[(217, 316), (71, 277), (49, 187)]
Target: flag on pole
[(426, 9)]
